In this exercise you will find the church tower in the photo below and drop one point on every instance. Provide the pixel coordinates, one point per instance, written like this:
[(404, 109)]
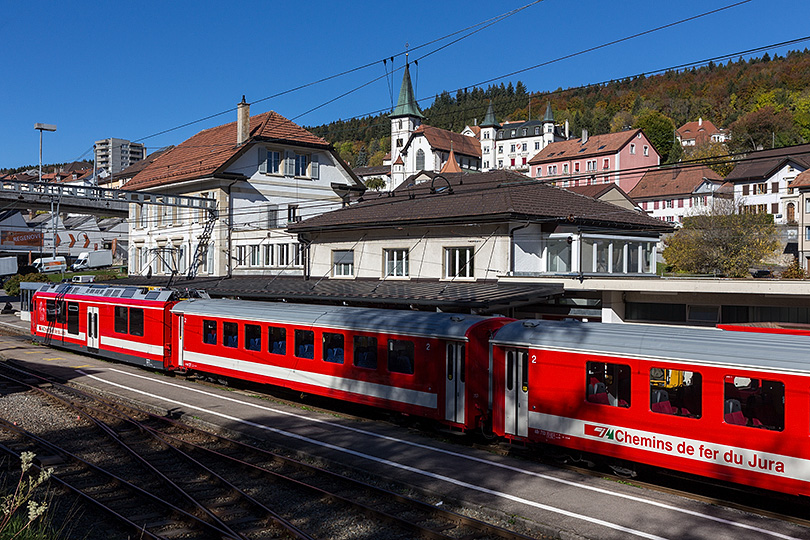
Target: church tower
[(489, 130), (405, 118), (548, 126)]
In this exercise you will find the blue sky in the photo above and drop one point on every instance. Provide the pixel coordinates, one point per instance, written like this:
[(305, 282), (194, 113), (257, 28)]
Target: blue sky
[(131, 70)]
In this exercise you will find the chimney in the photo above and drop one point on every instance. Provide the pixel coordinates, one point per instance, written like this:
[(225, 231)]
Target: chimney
[(242, 122), (566, 129), (700, 122), (584, 136)]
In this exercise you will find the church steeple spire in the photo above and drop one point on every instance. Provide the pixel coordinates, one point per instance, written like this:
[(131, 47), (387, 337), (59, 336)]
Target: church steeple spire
[(406, 104), (549, 117), (489, 118)]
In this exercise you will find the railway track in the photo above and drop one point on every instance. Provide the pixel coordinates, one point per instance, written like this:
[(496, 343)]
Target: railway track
[(165, 479)]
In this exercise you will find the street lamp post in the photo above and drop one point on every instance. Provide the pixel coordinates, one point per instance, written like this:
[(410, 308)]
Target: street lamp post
[(46, 127)]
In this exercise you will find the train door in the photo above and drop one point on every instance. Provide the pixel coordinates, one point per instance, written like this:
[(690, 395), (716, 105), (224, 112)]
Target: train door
[(180, 322), (92, 328), (455, 372), (516, 392)]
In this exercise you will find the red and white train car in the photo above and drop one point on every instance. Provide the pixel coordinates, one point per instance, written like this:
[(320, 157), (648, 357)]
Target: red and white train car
[(130, 324), (423, 363), (728, 405)]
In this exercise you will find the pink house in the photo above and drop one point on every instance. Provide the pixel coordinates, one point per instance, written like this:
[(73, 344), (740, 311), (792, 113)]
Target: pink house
[(621, 158)]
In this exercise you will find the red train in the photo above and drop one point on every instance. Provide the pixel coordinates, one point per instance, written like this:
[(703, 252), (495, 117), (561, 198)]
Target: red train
[(728, 405)]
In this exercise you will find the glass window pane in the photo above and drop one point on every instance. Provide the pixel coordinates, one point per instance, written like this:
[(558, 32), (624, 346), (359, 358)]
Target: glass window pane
[(305, 344), (333, 347), (277, 340), (136, 321), (400, 356), (675, 392), (230, 334), (365, 352), (253, 337)]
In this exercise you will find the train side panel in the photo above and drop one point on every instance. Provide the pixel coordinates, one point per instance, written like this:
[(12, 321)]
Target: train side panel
[(350, 354), (748, 426), (132, 330)]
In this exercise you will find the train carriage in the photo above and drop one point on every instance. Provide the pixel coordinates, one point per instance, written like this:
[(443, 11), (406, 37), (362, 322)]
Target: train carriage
[(709, 402), (429, 364), (129, 324)]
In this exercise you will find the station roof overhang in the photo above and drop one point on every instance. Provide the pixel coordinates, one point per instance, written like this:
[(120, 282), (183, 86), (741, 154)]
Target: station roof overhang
[(480, 296)]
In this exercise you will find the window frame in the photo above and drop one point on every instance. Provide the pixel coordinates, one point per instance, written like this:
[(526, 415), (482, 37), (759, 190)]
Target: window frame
[(453, 261), (394, 266)]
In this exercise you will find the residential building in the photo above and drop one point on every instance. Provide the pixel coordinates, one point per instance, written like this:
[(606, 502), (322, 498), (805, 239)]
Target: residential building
[(472, 227), (621, 158), (115, 155), (510, 145), (383, 172), (700, 133), (264, 172), (762, 181), (801, 187), (672, 193)]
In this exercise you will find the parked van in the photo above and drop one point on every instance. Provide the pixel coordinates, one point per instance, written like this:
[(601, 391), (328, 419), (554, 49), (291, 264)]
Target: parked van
[(47, 265), (83, 279)]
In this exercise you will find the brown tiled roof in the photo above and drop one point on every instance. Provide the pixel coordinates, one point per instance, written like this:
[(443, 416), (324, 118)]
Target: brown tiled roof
[(801, 180), (451, 166), (442, 139), (369, 171), (597, 145), (762, 164), (478, 197), (476, 131), (594, 190), (701, 133), (204, 153), (672, 181)]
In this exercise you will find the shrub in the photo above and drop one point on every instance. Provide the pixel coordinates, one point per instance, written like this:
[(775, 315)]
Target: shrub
[(794, 271), (12, 284)]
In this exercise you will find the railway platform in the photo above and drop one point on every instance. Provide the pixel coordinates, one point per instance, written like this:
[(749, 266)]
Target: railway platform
[(560, 503)]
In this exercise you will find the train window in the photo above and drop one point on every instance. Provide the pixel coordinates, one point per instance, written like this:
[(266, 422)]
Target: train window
[(758, 403), (253, 337), (121, 324), (305, 344), (278, 339), (677, 392), (73, 318), (400, 356), (608, 384), (50, 310), (365, 352), (210, 332), (61, 312), (230, 334), (136, 321), (333, 347)]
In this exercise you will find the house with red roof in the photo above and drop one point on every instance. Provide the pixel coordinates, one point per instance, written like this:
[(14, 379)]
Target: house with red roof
[(264, 172), (700, 133), (676, 192), (621, 158)]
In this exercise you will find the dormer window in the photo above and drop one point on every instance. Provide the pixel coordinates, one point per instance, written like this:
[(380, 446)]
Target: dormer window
[(523, 132), (537, 130), (513, 133)]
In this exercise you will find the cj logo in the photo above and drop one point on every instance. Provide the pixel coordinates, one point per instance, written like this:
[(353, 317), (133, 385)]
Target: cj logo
[(598, 431)]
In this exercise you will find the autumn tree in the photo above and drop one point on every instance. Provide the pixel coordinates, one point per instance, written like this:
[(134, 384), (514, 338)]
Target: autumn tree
[(714, 155), (763, 128), (376, 183), (722, 242), (659, 129)]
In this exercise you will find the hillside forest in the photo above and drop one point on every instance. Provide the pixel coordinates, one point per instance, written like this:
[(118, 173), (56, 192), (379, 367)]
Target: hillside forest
[(764, 102)]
